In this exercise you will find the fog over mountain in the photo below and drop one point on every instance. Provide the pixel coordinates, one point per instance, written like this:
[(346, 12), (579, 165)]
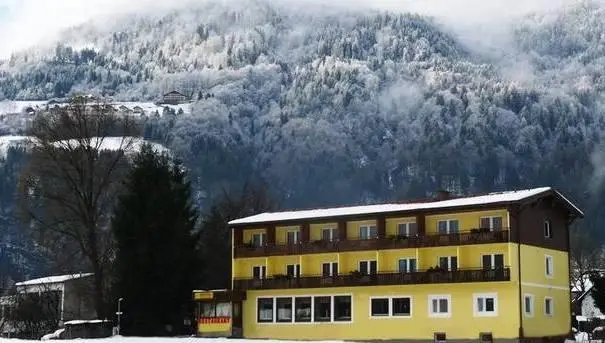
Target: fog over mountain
[(341, 103)]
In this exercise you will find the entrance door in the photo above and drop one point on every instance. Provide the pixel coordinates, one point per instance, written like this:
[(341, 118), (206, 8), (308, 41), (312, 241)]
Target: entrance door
[(237, 328)]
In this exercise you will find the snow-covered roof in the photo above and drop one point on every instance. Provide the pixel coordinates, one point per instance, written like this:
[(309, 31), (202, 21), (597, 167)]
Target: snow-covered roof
[(487, 199), (577, 286), (93, 321), (53, 279)]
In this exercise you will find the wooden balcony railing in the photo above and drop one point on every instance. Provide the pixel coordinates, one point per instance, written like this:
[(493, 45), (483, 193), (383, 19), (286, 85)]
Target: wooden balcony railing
[(378, 279), (417, 241)]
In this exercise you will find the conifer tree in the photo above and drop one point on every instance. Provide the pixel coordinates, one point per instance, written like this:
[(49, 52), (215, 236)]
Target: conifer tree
[(157, 256)]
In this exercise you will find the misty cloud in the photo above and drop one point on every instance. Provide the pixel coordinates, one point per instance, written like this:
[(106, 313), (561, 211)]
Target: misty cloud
[(35, 22)]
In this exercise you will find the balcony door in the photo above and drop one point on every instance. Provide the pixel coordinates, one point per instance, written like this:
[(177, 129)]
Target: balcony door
[(368, 267), (329, 269), (259, 239), (447, 226), (491, 223), (449, 263), (293, 237), (492, 261), (329, 234)]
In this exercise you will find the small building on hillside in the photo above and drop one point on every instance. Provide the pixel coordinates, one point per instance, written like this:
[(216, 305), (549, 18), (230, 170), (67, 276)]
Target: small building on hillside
[(174, 98)]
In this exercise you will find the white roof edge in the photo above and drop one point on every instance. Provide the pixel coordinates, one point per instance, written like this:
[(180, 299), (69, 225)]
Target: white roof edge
[(569, 202), (490, 198), (53, 279)]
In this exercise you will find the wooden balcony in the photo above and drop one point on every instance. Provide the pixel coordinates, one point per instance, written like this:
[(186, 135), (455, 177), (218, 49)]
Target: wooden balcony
[(379, 279), (437, 240)]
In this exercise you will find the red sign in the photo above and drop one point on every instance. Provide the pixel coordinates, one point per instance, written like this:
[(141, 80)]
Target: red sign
[(215, 320)]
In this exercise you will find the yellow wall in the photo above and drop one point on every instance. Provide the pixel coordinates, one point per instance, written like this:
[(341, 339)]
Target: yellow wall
[(353, 228), (315, 230), (469, 256), (466, 220), (248, 234), (392, 224), (281, 234), (535, 282), (461, 325)]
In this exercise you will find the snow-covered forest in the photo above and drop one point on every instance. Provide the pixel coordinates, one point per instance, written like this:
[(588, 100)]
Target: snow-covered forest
[(343, 106)]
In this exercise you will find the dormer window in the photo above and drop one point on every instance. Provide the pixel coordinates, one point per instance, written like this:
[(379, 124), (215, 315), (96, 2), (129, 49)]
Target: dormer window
[(547, 229)]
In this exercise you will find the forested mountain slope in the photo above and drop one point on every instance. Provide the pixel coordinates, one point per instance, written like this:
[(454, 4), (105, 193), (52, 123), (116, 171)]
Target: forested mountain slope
[(342, 106)]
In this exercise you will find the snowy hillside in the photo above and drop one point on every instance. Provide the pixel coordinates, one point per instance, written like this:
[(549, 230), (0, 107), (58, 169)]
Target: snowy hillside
[(348, 106), (8, 107), (108, 143)]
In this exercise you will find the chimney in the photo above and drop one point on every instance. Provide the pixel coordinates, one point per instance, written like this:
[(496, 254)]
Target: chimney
[(442, 194)]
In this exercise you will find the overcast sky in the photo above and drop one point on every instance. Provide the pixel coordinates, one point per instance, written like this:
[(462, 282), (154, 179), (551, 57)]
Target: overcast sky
[(26, 22)]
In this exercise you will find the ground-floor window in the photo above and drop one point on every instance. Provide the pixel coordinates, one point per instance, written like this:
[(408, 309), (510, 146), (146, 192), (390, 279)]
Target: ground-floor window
[(379, 307), (323, 309), (304, 309), (440, 306), (400, 306), (265, 310), (486, 305), (342, 308), (284, 310)]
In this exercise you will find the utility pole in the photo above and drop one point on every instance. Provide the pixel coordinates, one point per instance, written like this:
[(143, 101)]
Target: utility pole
[(119, 314)]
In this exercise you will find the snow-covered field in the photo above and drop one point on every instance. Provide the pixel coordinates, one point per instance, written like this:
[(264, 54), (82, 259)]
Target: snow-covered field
[(109, 143), (164, 340), (19, 107)]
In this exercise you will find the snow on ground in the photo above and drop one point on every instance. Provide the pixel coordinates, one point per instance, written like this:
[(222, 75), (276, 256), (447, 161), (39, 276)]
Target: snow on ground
[(108, 143), (149, 108), (118, 339), (11, 141)]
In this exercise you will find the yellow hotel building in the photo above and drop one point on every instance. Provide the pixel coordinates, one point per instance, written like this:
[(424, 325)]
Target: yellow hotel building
[(491, 267)]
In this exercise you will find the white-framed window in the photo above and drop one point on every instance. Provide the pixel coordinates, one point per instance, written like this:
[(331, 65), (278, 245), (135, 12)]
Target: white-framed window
[(259, 239), (407, 265), (548, 306), (448, 226), (547, 229), (304, 309), (394, 306), (493, 223), (401, 306), (440, 306), (284, 310), (259, 272), (380, 307), (485, 304), (548, 266), (407, 229), (329, 234), (368, 267), (264, 310), (293, 237), (368, 232), (293, 270), (492, 261), (448, 263), (528, 305), (329, 269)]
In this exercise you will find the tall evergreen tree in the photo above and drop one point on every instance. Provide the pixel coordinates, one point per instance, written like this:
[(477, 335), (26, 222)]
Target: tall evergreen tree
[(598, 290), (216, 234), (157, 255)]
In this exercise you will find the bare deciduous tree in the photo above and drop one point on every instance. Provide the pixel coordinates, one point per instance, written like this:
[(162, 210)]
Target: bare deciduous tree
[(68, 188), (586, 257)]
